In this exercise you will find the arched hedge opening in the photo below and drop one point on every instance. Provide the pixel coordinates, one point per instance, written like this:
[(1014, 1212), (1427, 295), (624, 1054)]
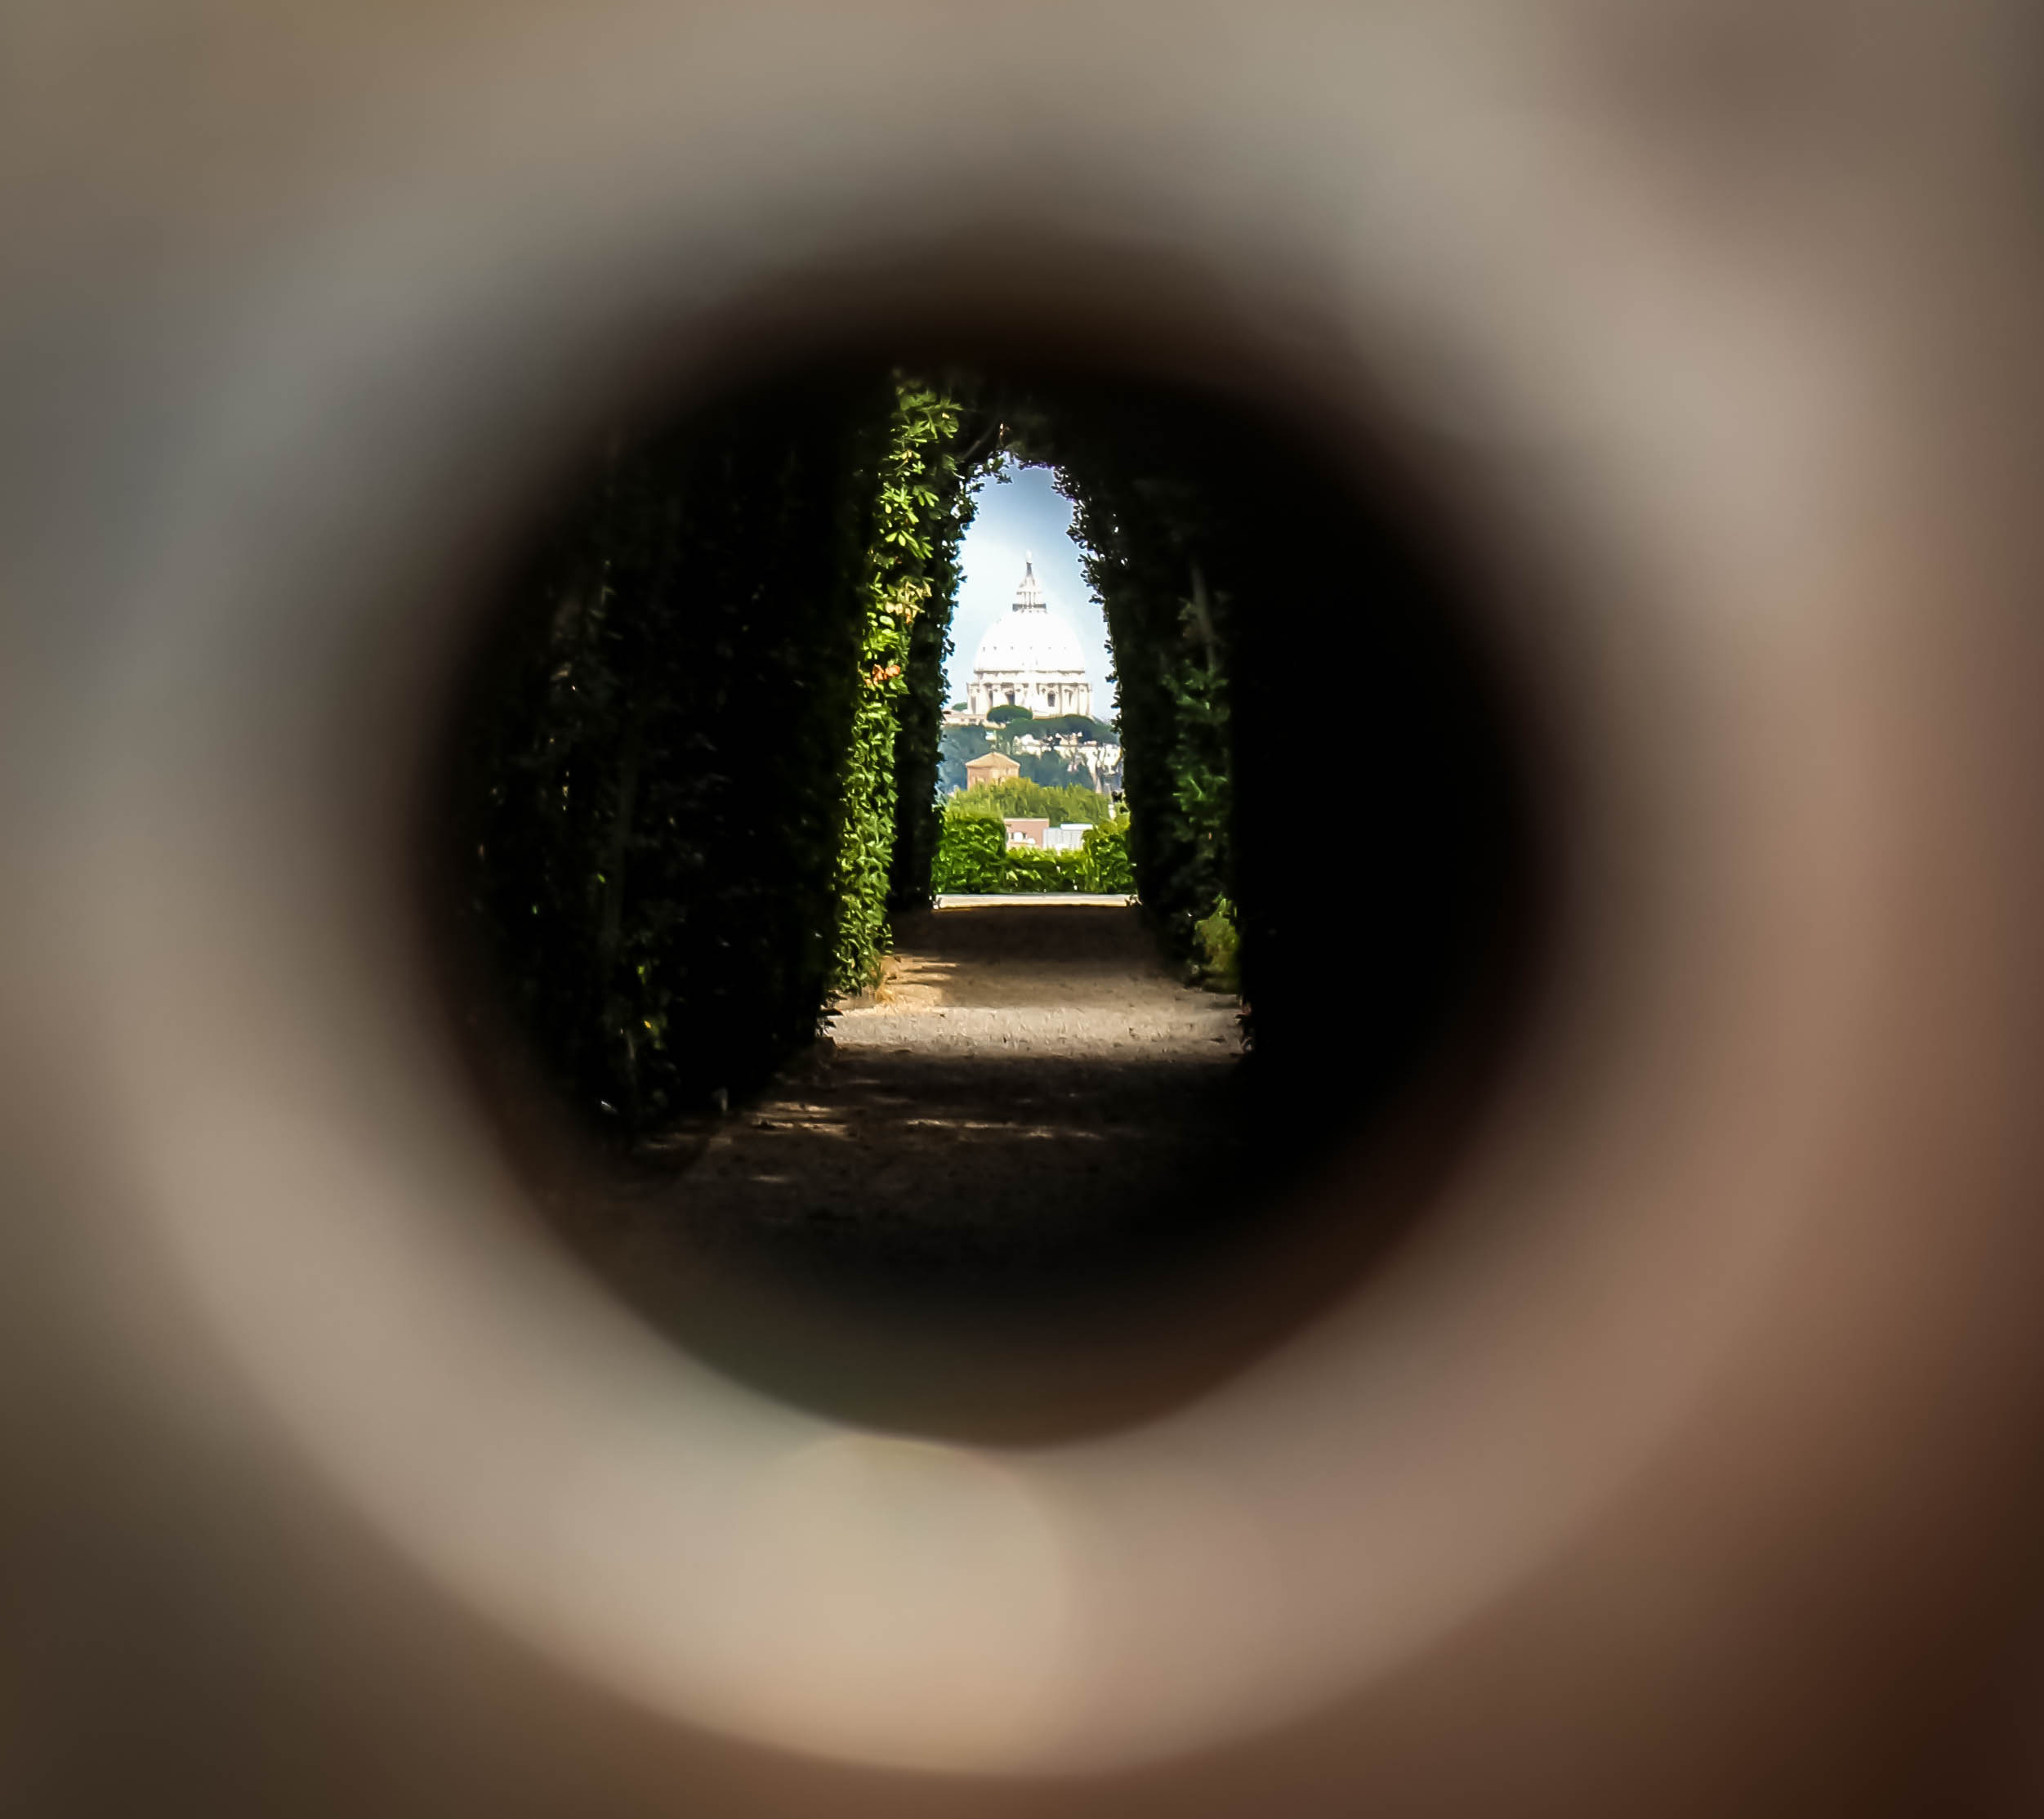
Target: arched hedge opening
[(696, 768)]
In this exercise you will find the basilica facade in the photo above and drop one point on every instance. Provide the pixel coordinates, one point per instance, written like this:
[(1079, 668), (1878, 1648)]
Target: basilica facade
[(1030, 660)]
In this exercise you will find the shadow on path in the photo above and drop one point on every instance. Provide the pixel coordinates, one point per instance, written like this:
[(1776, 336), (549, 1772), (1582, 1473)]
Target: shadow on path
[(968, 1210)]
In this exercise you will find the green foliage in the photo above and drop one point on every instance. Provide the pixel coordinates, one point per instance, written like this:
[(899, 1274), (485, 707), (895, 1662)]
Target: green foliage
[(939, 449), (897, 594), (957, 747), (1053, 771), (1104, 857), (973, 856), (1221, 553), (1141, 524), (1218, 943), (1029, 869), (971, 851), (652, 769), (1160, 502), (1096, 732), (1026, 801), (1007, 715), (680, 770), (1203, 791)]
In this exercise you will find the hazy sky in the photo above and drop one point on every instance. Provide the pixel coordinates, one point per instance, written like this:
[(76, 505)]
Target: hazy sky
[(1020, 516)]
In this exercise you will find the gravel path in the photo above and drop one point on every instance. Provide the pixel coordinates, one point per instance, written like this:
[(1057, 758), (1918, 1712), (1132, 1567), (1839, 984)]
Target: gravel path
[(1033, 1112), (1061, 979)]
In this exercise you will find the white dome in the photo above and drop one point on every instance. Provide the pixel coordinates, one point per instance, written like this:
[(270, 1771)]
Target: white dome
[(1035, 646), (1030, 640)]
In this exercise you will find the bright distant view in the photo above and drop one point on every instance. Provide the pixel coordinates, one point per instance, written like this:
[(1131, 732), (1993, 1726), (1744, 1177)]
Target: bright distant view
[(1021, 520), (1029, 739)]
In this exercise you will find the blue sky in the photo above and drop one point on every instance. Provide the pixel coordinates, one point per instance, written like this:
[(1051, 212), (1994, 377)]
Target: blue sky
[(1023, 516)]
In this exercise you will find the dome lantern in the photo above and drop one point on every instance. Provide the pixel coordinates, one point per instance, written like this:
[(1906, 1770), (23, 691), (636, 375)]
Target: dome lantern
[(1028, 594)]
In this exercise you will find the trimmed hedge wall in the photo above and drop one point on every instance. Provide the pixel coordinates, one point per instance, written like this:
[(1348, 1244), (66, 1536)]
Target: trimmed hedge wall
[(674, 787), (1153, 517), (1017, 796), (920, 510), (1239, 572), (927, 504), (974, 858), (1106, 854)]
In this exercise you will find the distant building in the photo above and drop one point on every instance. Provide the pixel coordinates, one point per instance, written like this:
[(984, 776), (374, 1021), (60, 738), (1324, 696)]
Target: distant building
[(991, 767), (1030, 660), (1067, 837)]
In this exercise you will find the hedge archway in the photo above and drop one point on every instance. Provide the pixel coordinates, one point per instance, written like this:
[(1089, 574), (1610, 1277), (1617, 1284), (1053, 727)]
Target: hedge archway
[(697, 767)]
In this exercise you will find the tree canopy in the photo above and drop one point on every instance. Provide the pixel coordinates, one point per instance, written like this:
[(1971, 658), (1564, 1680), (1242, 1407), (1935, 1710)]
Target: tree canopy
[(1021, 797), (1097, 732)]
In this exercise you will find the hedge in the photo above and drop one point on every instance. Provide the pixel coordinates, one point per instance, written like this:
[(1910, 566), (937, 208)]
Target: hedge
[(674, 788), (1106, 854), (941, 448), (920, 509), (1020, 797), (1239, 571), (974, 858), (1155, 518)]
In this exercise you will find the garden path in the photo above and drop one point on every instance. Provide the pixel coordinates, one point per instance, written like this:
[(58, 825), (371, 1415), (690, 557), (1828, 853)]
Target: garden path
[(1032, 1107)]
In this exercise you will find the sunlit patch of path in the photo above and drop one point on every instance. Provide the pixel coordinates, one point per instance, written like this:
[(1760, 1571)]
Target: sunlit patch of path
[(1070, 978)]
